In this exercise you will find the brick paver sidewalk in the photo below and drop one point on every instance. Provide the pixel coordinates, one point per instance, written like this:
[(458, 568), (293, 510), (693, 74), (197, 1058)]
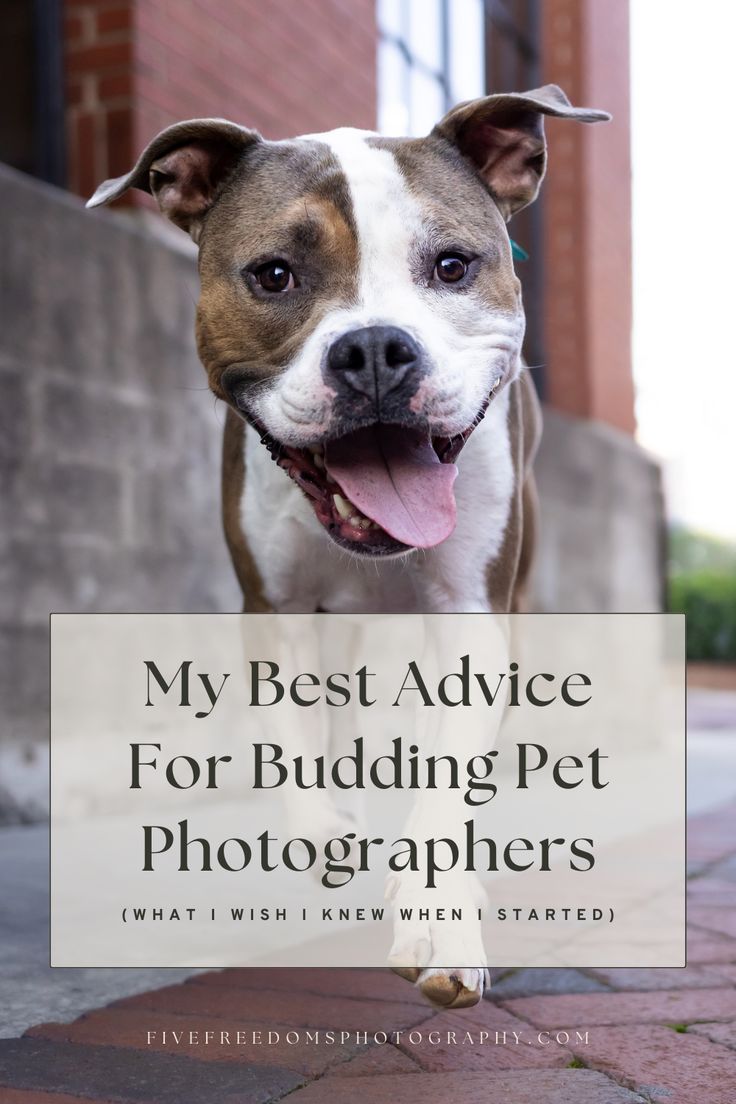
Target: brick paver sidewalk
[(664, 1036)]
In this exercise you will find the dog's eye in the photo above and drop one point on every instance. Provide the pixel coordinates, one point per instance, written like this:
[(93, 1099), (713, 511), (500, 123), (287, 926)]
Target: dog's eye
[(275, 277), (450, 267)]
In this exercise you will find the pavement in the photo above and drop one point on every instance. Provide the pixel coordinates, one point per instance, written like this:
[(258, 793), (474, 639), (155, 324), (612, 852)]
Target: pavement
[(663, 1036), (28, 986)]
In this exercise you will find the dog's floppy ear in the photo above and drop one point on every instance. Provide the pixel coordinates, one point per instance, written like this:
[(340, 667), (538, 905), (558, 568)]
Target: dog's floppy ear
[(183, 168), (503, 136)]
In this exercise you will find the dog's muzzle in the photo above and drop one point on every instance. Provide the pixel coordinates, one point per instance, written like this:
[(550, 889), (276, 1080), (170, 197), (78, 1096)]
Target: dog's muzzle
[(374, 370)]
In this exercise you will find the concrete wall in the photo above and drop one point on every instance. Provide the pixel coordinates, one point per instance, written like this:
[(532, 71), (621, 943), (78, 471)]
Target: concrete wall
[(109, 443), (109, 459), (601, 521)]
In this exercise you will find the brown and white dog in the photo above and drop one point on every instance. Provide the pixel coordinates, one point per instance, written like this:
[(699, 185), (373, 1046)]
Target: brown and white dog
[(361, 317)]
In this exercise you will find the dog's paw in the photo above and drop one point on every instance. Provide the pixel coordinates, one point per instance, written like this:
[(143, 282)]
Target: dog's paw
[(422, 946), (454, 988), (446, 987)]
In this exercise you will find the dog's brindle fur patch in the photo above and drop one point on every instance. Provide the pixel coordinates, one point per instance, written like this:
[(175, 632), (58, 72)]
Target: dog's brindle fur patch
[(233, 485), (508, 574), (289, 200), (447, 187)]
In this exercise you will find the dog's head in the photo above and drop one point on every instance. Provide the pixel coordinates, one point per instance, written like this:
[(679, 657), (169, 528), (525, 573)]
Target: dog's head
[(359, 304)]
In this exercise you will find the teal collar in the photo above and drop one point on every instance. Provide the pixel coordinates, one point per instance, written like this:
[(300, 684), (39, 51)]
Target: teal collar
[(517, 252)]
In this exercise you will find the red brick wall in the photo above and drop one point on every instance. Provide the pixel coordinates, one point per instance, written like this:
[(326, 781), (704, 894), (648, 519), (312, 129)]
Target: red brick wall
[(283, 66), (587, 247), (99, 62)]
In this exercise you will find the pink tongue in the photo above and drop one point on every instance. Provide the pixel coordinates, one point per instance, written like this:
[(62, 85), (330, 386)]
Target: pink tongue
[(395, 478)]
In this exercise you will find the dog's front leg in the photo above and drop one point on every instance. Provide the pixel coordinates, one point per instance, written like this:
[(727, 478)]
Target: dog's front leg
[(444, 955)]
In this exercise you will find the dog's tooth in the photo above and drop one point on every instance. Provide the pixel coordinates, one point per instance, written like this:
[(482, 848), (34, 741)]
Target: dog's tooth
[(318, 461), (343, 507), (365, 523), (318, 450)]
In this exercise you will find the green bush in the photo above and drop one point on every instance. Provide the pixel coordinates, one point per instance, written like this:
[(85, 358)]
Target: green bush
[(693, 551), (708, 599)]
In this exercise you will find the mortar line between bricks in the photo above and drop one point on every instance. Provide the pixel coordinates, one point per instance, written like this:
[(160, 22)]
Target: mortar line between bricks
[(196, 1063), (245, 1022), (625, 1082), (330, 1069), (702, 928), (183, 1015), (708, 868), (308, 1078), (718, 1043), (341, 1060), (606, 1073), (311, 992), (123, 1005), (624, 1023), (590, 972), (265, 989), (411, 1058), (373, 1047)]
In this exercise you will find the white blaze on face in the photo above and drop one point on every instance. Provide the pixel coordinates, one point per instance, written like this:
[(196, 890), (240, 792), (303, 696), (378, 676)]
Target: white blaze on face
[(388, 221), (467, 348)]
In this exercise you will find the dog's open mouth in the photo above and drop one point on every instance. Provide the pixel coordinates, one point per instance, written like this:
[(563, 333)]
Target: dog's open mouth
[(381, 489)]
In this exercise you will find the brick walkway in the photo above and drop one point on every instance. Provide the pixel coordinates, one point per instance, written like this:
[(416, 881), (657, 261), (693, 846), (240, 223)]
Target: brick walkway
[(664, 1036)]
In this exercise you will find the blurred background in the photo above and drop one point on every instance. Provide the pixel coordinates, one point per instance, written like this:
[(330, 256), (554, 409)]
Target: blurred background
[(109, 438)]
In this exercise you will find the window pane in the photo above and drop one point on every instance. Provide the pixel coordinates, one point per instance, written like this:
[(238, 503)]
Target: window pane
[(467, 49), (427, 102), (425, 32), (391, 17), (393, 109)]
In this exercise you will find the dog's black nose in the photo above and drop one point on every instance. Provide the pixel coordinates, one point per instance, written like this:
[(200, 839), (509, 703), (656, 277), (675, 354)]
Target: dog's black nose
[(375, 362)]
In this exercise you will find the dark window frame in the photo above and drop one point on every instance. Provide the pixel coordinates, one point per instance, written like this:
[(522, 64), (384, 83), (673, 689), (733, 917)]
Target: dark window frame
[(402, 42), (513, 39), (49, 100), (33, 131)]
